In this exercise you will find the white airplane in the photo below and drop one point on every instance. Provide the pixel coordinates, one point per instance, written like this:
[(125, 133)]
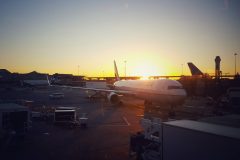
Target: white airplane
[(158, 91)]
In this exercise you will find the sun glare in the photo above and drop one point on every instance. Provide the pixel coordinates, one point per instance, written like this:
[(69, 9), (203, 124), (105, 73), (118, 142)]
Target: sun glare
[(146, 70), (144, 77)]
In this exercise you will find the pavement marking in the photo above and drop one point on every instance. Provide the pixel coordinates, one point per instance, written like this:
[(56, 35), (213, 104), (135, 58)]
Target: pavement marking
[(196, 107), (189, 106), (126, 121), (118, 125), (114, 125), (46, 133)]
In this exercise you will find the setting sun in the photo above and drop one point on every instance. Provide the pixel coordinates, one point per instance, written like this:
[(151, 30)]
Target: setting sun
[(146, 70)]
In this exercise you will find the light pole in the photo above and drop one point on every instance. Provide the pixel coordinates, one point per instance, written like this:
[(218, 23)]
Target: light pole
[(235, 54), (125, 69), (182, 69), (78, 70)]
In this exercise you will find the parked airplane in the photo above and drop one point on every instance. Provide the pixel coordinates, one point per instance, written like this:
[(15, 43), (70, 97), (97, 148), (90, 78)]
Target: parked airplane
[(194, 70), (35, 82), (156, 91), (197, 72)]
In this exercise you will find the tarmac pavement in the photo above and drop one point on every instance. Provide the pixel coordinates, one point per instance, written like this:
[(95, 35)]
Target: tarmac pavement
[(106, 136)]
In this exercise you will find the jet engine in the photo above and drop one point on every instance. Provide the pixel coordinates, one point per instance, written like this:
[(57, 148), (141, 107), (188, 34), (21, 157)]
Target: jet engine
[(113, 98)]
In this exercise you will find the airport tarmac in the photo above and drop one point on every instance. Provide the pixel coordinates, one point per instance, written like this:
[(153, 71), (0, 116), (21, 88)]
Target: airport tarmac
[(106, 137), (108, 129)]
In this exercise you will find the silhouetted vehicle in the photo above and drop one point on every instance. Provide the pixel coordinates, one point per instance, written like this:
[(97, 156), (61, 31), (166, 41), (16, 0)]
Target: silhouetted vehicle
[(234, 96), (56, 96)]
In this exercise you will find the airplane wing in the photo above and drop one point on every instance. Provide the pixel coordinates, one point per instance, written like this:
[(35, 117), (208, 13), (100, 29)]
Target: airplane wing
[(109, 91), (100, 90)]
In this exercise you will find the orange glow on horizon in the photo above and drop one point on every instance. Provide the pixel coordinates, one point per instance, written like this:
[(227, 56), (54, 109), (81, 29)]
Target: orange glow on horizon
[(145, 77), (146, 69)]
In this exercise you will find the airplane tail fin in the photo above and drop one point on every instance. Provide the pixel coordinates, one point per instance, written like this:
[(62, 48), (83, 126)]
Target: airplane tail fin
[(116, 72), (194, 70)]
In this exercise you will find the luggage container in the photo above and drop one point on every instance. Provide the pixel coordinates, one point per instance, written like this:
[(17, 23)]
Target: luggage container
[(14, 118), (65, 115)]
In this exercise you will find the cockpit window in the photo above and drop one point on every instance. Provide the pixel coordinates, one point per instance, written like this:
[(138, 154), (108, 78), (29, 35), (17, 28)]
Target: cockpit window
[(175, 87)]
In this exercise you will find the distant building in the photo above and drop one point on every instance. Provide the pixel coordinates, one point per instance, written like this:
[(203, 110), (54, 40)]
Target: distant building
[(34, 79), (4, 74), (8, 79), (33, 76), (67, 79)]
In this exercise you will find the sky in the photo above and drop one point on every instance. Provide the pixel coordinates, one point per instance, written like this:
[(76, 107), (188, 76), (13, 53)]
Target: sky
[(145, 37)]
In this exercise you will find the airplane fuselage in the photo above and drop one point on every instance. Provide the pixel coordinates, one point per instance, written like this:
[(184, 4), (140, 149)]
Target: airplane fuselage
[(159, 91)]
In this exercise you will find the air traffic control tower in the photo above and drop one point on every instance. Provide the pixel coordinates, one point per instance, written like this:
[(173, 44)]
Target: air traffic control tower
[(217, 67)]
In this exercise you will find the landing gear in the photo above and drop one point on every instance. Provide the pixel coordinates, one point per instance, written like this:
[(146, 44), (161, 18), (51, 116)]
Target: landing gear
[(147, 103), (172, 113), (147, 106), (120, 103), (164, 111)]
